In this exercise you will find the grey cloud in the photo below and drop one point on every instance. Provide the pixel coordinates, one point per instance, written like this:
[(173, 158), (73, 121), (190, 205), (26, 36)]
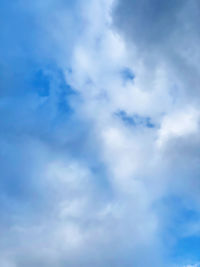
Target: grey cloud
[(147, 22), (164, 33)]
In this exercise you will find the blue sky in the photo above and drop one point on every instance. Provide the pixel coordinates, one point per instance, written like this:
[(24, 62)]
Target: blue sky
[(99, 133)]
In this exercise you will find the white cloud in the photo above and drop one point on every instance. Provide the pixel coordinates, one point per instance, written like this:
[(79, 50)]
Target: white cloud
[(181, 123)]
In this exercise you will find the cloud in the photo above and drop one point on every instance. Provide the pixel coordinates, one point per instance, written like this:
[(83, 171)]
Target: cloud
[(99, 132), (162, 39), (166, 37)]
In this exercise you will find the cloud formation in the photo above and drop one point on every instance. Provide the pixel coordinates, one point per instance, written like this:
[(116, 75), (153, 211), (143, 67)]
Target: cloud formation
[(99, 133)]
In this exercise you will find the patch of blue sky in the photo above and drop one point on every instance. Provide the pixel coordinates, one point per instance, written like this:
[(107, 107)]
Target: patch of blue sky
[(186, 250), (48, 82), (180, 221), (135, 120), (127, 74), (41, 83), (64, 93)]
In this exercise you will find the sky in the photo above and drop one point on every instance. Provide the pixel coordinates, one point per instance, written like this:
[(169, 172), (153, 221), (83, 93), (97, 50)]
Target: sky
[(100, 133)]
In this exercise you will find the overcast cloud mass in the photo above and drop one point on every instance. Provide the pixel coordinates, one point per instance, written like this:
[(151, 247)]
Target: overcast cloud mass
[(100, 133)]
